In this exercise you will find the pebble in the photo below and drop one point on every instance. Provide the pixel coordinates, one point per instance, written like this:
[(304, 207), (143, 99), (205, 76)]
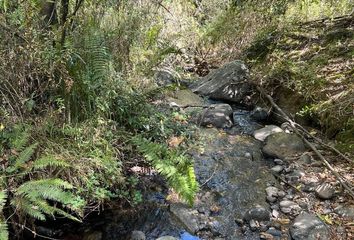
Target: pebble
[(272, 191), (253, 225), (281, 194), (278, 161), (275, 213), (287, 206), (310, 187), (271, 199), (277, 169), (138, 235), (167, 238), (257, 213), (346, 212), (308, 226), (305, 158), (274, 232), (325, 191), (263, 227)]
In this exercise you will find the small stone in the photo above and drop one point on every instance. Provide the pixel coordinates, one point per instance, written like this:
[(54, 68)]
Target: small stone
[(289, 196), (138, 235), (271, 199), (345, 212), (274, 232), (308, 227), (186, 216), (263, 133), (215, 227), (257, 213), (239, 221), (277, 169), (278, 161), (275, 213), (274, 207), (266, 236), (287, 206), (263, 227), (167, 238), (310, 187), (253, 225), (281, 194), (272, 191), (325, 191), (327, 211), (305, 158)]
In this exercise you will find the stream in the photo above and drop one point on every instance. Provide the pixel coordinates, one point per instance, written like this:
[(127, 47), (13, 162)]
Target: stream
[(232, 174)]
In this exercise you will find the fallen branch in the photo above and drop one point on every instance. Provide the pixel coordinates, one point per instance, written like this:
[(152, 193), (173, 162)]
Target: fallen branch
[(324, 144), (195, 106), (293, 126)]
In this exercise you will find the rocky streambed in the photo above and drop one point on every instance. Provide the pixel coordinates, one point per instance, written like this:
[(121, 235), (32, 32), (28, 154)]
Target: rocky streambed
[(257, 180)]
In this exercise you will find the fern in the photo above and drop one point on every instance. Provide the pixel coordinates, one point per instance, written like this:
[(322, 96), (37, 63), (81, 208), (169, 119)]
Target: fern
[(4, 234), (23, 158), (48, 161), (19, 136), (172, 164), (32, 197)]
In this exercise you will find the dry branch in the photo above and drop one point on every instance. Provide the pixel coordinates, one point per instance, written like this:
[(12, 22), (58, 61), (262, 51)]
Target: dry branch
[(293, 125)]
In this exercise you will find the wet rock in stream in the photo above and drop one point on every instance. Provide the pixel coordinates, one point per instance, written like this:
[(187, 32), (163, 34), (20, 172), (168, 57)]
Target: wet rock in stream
[(282, 145), (217, 115)]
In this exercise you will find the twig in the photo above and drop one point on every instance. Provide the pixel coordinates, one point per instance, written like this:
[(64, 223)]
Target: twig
[(286, 182), (211, 177), (293, 125), (34, 233), (194, 106)]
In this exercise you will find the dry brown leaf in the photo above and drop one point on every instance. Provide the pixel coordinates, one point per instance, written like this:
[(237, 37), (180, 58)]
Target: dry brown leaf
[(174, 142)]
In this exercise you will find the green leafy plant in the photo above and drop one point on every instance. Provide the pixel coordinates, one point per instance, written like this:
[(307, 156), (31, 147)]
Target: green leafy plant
[(176, 166), (4, 234), (26, 191)]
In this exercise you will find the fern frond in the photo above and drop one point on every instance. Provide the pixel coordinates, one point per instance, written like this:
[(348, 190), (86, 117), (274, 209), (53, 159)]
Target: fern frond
[(3, 198), (24, 156), (175, 166), (4, 233), (49, 161), (32, 198), (19, 136), (27, 207)]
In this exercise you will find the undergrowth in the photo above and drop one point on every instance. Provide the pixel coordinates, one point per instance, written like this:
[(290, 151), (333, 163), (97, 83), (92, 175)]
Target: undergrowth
[(314, 61)]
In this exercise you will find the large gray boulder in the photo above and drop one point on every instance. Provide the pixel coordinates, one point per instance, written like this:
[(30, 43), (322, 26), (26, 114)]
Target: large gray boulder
[(217, 115), (282, 145), (230, 82), (308, 227)]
